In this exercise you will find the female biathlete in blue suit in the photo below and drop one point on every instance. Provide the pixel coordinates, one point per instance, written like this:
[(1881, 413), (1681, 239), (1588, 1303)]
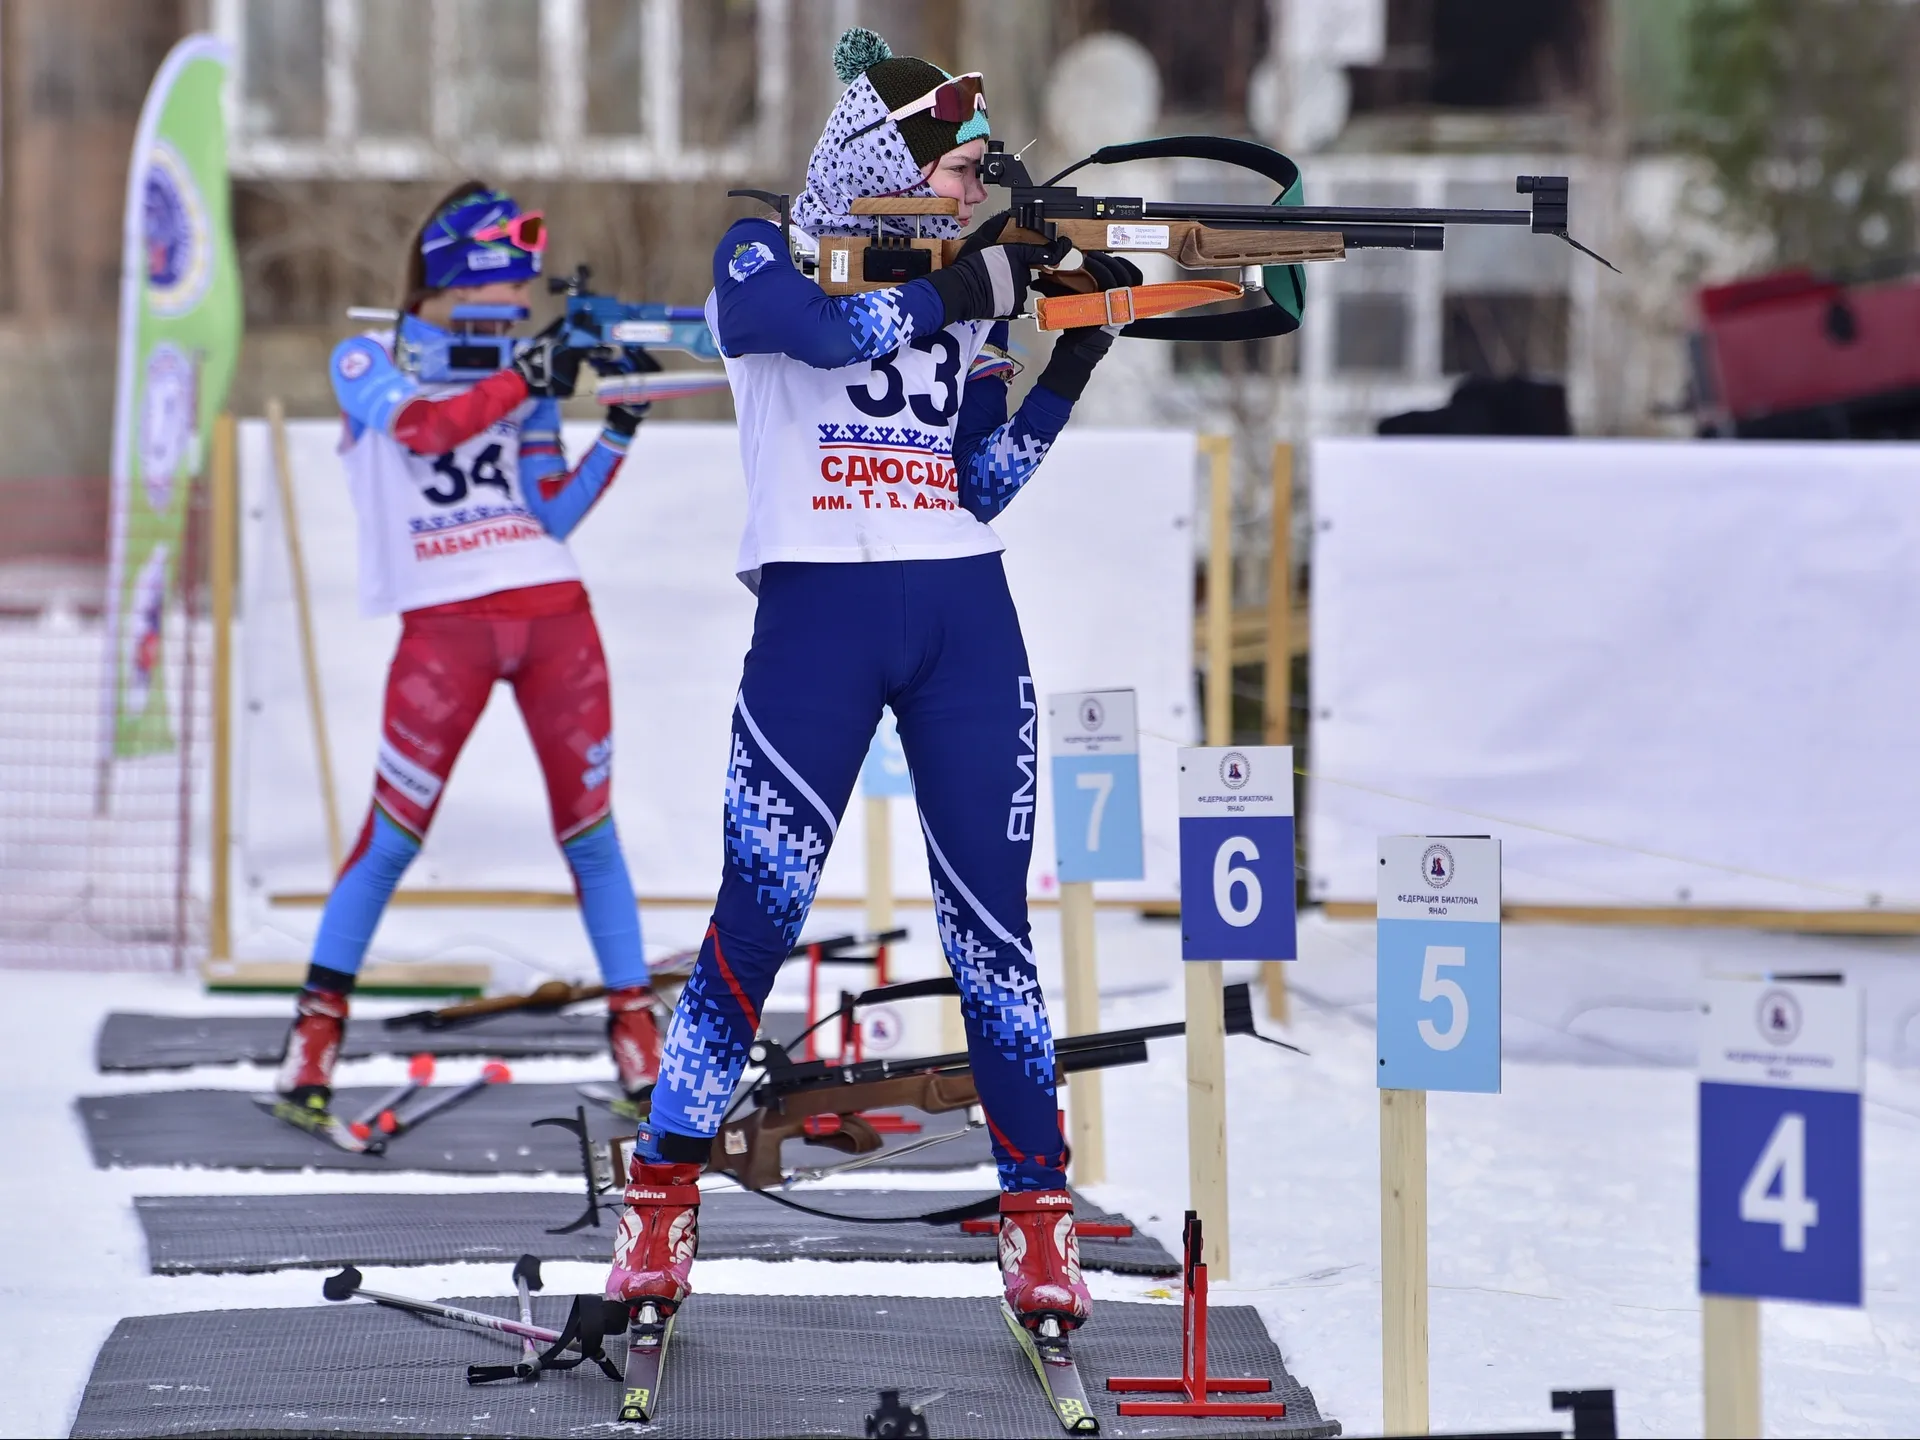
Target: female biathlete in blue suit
[(877, 446)]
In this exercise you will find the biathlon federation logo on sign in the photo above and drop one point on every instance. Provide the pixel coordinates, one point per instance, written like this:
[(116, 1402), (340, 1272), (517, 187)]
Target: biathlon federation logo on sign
[(1778, 1016), (1236, 771), (1092, 713), (178, 236), (1436, 867)]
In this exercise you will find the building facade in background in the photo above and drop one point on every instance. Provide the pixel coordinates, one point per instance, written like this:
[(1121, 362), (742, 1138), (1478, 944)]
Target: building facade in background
[(627, 120)]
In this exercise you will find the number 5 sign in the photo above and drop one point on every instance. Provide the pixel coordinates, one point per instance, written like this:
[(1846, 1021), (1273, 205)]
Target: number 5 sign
[(1094, 741), (1236, 853), (1780, 1141), (1438, 952)]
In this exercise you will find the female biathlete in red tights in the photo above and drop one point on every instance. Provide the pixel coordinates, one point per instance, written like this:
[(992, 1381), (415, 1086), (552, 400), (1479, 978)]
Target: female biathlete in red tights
[(465, 503)]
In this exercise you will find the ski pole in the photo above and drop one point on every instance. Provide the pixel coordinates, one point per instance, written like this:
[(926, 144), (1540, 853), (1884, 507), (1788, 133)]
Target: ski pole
[(526, 1279), (346, 1285), (494, 1074), (419, 1075)]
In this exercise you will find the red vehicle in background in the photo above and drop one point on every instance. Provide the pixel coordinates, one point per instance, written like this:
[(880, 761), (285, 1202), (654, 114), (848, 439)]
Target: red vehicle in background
[(1799, 356)]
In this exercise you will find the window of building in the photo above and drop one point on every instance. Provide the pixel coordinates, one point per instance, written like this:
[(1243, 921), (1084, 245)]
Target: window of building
[(1207, 50), (1504, 305), (411, 89), (1480, 55), (1371, 292), (284, 87)]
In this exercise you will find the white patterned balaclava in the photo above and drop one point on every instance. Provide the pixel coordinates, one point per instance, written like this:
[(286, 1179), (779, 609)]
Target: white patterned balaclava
[(847, 165)]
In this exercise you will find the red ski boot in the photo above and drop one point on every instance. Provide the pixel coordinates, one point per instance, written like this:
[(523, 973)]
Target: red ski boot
[(659, 1236), (633, 1033), (1040, 1259), (313, 1044)]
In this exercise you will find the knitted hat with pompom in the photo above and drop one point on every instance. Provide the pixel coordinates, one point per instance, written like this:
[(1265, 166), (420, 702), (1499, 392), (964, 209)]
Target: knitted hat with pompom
[(900, 80)]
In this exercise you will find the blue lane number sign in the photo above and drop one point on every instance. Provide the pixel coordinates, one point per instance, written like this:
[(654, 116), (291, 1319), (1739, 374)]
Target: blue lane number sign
[(1438, 957), (1236, 853), (1093, 745), (884, 771), (1780, 1141)]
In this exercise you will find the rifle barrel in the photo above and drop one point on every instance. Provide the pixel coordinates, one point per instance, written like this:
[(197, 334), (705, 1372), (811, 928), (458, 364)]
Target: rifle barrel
[(1332, 215)]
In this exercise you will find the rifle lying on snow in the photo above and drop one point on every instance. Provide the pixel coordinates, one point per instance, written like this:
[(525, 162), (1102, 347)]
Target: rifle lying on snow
[(792, 1098), (553, 995), (1275, 237)]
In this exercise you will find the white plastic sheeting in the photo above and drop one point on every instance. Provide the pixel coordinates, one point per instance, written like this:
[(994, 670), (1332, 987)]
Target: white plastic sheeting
[(1099, 555), (1662, 673)]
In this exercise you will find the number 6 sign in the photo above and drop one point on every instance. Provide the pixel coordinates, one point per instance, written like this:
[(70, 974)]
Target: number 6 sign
[(1438, 947), (1236, 853)]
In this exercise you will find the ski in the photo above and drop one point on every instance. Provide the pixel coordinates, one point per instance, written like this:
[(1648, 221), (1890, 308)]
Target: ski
[(614, 1099), (1051, 1355), (320, 1122), (647, 1336)]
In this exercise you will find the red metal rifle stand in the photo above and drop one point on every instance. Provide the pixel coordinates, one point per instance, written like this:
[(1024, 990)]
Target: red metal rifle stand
[(1193, 1381)]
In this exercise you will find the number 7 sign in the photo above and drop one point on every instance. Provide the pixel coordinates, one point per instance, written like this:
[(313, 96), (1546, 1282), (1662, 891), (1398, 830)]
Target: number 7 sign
[(1094, 742)]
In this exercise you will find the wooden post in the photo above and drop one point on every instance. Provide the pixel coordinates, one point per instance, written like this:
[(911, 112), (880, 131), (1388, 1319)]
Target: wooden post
[(1730, 1335), (1278, 707), (1403, 1260), (1088, 1135), (1206, 1024), (303, 610), (224, 502), (879, 864)]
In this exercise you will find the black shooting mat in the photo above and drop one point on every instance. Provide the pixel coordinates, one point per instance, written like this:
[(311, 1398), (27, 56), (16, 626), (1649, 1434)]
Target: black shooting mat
[(194, 1234), (491, 1134), (738, 1365), (176, 1042)]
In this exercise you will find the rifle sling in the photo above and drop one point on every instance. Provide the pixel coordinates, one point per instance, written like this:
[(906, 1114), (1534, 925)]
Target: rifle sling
[(1254, 322), (952, 1215)]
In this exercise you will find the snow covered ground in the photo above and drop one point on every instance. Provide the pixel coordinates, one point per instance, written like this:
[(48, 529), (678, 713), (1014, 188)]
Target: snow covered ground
[(1562, 1242)]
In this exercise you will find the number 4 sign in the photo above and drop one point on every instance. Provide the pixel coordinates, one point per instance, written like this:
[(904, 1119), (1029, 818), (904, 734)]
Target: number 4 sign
[(1780, 1141), (1438, 951), (1236, 853)]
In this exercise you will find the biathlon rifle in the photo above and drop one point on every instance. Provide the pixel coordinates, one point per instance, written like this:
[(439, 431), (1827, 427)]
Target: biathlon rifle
[(792, 1093), (617, 333), (823, 1100), (1197, 236)]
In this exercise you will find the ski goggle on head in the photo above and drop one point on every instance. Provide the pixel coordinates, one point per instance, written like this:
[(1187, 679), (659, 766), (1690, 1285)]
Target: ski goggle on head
[(953, 101), (526, 231)]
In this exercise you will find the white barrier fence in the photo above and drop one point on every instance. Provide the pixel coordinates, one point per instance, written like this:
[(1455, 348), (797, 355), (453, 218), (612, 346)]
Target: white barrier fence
[(1668, 676)]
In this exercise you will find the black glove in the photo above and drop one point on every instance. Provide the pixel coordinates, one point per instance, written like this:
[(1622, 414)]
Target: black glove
[(1077, 351), (549, 368), (624, 419), (990, 283)]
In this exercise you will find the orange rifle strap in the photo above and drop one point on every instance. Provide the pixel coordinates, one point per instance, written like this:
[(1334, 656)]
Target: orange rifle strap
[(1129, 303)]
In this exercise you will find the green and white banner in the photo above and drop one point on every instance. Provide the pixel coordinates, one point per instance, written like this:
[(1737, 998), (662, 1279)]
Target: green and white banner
[(180, 323)]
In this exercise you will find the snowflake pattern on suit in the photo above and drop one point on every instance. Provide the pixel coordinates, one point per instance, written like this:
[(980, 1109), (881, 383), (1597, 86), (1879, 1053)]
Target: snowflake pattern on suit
[(770, 842)]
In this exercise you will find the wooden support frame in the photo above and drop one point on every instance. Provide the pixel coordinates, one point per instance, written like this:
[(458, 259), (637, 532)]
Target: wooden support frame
[(303, 611), (1206, 1020), (1277, 706), (1804, 922), (1403, 1261), (1730, 1366), (1087, 1134), (223, 500)]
